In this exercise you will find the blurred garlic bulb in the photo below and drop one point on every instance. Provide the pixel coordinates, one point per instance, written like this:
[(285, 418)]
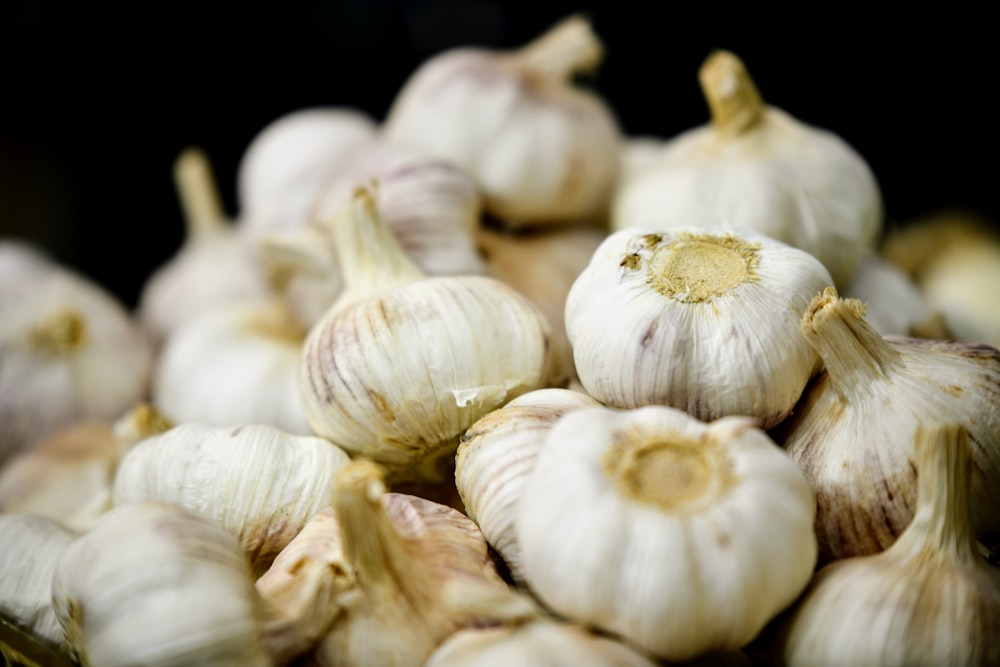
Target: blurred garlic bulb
[(68, 477), (680, 536), (756, 167), (69, 350), (287, 163), (928, 600), (259, 483), (541, 149), (497, 454), (402, 364), (215, 265), (422, 572), (702, 320), (852, 433), (235, 365), (32, 546), (542, 265), (155, 584)]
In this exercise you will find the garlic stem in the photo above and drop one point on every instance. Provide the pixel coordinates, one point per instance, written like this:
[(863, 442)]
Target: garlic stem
[(200, 201), (942, 519), (566, 49), (371, 257), (733, 99), (857, 358)]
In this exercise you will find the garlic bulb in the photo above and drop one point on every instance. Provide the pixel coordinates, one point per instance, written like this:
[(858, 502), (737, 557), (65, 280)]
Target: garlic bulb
[(286, 165), (927, 600), (235, 365), (32, 546), (541, 149), (702, 320), (69, 350), (680, 536), (402, 364), (215, 264), (155, 584), (495, 457), (259, 483), (852, 432), (757, 167)]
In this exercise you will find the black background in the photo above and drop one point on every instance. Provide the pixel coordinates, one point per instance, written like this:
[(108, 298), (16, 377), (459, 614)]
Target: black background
[(98, 99)]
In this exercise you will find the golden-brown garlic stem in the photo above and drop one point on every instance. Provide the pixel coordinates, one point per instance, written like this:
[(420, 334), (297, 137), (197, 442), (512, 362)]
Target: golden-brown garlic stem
[(733, 99), (200, 201), (61, 332), (566, 49)]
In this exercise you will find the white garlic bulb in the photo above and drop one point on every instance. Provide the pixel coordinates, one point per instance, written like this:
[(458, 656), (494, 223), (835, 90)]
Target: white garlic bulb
[(259, 483), (928, 600), (69, 350), (497, 454), (287, 163), (32, 547), (541, 149), (155, 584), (237, 364), (402, 364), (702, 320), (757, 167), (852, 433), (680, 536)]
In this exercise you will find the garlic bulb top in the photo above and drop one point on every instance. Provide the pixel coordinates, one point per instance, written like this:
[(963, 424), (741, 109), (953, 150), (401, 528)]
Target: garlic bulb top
[(286, 165), (541, 149), (757, 167), (69, 350), (929, 599), (155, 584), (403, 363), (852, 433), (702, 320), (680, 536)]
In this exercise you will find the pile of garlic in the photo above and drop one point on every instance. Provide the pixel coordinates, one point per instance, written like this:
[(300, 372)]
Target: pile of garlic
[(489, 381)]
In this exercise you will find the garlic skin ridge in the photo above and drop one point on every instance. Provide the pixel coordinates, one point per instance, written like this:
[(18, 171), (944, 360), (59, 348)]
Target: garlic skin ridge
[(701, 320), (680, 536)]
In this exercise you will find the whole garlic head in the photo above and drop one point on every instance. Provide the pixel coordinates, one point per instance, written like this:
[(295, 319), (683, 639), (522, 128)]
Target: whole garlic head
[(757, 167)]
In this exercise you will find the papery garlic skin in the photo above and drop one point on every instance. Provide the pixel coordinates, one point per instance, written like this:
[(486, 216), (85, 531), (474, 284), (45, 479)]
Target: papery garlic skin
[(495, 457), (155, 584), (258, 482), (701, 320), (680, 536), (757, 167), (69, 350), (542, 150), (927, 600), (32, 547)]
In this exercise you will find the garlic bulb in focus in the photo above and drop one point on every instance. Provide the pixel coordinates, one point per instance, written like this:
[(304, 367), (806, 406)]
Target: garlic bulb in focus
[(701, 320), (927, 600), (402, 364), (541, 149), (758, 168), (852, 433), (158, 585), (680, 536), (69, 350)]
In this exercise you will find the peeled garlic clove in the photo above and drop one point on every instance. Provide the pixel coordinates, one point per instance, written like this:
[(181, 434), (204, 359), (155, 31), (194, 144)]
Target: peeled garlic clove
[(541, 149), (756, 167), (259, 483), (852, 433), (402, 364), (701, 320), (32, 547), (155, 584), (497, 454), (927, 600), (235, 365), (680, 536), (69, 350)]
